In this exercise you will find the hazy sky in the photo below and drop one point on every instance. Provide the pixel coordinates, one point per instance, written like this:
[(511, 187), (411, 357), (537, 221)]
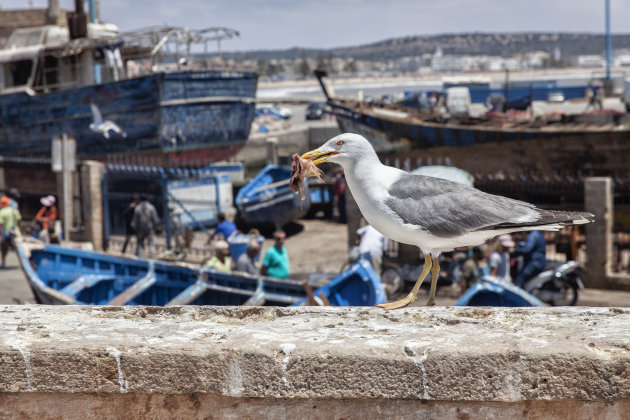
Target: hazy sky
[(278, 24)]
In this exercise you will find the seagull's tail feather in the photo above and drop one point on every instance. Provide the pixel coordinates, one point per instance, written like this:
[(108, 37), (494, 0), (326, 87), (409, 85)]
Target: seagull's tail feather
[(549, 220)]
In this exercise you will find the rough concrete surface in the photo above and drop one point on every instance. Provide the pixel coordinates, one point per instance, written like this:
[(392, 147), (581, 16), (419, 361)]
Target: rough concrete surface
[(459, 357)]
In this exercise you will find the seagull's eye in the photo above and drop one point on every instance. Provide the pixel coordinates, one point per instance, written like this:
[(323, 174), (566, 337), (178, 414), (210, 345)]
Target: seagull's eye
[(340, 143)]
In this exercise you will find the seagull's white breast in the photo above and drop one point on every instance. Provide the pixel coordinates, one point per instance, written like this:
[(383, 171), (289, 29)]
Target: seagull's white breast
[(369, 182)]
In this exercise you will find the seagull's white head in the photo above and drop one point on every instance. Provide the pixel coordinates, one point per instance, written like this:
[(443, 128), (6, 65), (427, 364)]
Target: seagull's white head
[(342, 149)]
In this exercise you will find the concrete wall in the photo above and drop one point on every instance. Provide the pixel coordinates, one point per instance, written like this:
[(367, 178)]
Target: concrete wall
[(296, 139), (598, 199), (92, 173), (236, 362)]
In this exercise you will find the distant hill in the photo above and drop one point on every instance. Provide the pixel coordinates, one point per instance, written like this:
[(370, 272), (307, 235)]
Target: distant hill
[(496, 44)]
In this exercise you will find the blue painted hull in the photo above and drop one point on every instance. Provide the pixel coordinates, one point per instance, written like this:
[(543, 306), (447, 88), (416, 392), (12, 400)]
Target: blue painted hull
[(588, 143), (268, 199), (60, 275), (391, 134), (489, 292), (181, 117)]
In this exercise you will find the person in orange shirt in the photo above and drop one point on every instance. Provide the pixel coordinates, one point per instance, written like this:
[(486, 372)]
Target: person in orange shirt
[(46, 216)]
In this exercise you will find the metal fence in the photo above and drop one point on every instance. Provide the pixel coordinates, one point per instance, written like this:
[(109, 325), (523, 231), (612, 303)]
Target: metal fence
[(183, 197)]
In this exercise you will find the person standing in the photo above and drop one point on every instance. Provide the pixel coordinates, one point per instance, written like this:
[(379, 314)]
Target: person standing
[(599, 97), (371, 246), (339, 188), (473, 269), (245, 263), (145, 221), (534, 253), (45, 217), (500, 258), (10, 219), (128, 216), (276, 261)]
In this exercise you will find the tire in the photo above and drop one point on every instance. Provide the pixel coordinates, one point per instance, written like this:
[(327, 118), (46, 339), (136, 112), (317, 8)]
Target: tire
[(555, 287), (572, 291), (392, 281)]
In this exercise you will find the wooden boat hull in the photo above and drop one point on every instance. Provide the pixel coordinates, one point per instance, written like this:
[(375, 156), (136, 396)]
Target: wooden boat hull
[(59, 275), (588, 144), (178, 118)]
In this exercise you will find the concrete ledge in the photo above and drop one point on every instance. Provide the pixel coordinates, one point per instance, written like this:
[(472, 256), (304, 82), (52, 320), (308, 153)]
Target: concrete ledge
[(480, 360)]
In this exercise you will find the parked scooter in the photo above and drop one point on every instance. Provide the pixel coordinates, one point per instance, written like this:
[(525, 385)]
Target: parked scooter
[(558, 286)]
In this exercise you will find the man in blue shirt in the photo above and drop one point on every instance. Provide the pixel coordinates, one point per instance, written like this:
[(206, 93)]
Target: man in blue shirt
[(225, 228), (534, 261), (276, 260)]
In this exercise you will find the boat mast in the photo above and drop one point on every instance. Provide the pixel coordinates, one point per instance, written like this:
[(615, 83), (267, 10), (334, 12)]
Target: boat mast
[(95, 11)]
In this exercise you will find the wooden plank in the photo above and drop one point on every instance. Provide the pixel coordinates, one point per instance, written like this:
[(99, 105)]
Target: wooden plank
[(324, 299), (309, 293)]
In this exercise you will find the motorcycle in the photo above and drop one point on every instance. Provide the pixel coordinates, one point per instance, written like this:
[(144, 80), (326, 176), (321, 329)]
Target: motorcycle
[(558, 286)]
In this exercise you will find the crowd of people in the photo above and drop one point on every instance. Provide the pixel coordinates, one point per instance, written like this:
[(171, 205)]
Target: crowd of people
[(44, 225), (501, 258), (275, 262), (142, 221)]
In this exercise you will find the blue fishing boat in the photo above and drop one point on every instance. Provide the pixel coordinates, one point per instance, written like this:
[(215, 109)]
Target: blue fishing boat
[(490, 292), (118, 96), (59, 275), (404, 131), (268, 199)]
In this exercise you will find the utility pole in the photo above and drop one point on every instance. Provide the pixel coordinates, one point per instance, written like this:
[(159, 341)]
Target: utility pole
[(64, 160), (607, 39)]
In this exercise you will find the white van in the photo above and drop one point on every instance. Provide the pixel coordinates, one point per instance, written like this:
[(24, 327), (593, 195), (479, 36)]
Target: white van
[(458, 100)]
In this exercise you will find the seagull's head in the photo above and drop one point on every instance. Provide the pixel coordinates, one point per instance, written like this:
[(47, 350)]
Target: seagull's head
[(344, 148)]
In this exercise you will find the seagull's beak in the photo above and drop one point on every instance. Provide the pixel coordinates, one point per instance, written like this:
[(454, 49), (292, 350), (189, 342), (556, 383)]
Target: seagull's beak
[(318, 156)]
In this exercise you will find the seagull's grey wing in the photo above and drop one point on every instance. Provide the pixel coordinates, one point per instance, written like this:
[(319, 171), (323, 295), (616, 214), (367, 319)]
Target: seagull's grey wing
[(447, 209), (96, 114)]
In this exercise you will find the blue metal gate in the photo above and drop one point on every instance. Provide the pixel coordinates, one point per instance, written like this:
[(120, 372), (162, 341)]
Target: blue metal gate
[(195, 195)]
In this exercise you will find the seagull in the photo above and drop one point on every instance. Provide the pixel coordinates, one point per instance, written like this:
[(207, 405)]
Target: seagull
[(104, 127), (435, 214)]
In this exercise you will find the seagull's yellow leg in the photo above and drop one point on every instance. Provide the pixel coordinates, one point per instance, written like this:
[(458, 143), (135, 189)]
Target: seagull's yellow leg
[(412, 295), (435, 274)]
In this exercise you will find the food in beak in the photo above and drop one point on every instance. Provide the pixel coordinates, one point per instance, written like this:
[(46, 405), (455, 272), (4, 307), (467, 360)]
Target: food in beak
[(300, 169)]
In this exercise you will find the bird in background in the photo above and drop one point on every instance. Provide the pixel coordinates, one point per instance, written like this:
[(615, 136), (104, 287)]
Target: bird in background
[(435, 214), (103, 127)]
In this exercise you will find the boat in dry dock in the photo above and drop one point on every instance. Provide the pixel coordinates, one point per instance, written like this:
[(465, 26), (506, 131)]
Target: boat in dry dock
[(121, 94), (513, 143)]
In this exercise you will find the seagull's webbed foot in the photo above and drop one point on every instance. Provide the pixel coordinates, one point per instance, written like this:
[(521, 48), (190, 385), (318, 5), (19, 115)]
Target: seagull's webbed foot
[(430, 302), (411, 297)]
